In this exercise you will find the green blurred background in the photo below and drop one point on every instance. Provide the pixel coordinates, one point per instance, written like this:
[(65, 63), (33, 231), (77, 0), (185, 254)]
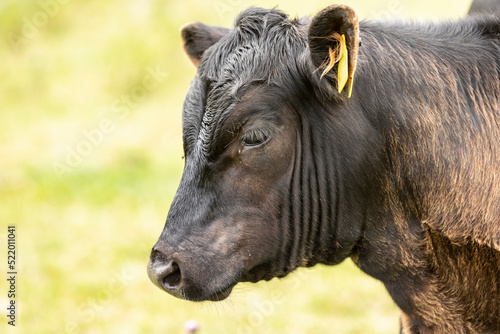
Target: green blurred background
[(90, 155)]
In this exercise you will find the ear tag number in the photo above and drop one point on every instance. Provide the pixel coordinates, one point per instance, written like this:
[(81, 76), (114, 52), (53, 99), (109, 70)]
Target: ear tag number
[(343, 72)]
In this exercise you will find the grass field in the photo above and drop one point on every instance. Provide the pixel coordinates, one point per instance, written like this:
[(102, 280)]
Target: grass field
[(90, 156)]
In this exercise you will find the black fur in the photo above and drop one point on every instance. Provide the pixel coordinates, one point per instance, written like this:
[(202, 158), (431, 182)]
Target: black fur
[(404, 177)]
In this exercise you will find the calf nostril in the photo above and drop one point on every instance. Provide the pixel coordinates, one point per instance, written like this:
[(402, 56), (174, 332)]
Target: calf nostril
[(173, 277)]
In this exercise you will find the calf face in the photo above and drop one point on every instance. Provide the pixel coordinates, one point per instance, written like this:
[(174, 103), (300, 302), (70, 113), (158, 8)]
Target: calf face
[(224, 223), (230, 220)]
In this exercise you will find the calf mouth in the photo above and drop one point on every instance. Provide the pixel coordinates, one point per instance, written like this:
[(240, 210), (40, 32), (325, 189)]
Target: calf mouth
[(223, 294)]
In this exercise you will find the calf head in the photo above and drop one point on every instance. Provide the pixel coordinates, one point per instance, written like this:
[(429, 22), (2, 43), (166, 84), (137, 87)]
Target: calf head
[(243, 132)]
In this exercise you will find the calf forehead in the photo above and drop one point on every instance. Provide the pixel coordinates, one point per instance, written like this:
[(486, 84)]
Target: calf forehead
[(263, 48)]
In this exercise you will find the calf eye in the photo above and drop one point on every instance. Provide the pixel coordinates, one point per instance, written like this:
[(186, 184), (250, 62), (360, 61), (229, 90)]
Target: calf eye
[(255, 137)]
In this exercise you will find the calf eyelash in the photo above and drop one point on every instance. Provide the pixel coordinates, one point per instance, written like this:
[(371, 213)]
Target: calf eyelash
[(255, 137)]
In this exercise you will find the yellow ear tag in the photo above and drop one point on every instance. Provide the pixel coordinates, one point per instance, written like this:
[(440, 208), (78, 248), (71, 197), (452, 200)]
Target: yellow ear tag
[(343, 72), (350, 87)]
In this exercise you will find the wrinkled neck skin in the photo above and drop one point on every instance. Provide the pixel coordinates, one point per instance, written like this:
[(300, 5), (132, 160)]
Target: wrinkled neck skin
[(333, 191), (338, 204)]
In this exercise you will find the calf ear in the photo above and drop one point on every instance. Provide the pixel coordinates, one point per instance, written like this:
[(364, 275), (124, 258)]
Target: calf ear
[(333, 43), (198, 37)]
